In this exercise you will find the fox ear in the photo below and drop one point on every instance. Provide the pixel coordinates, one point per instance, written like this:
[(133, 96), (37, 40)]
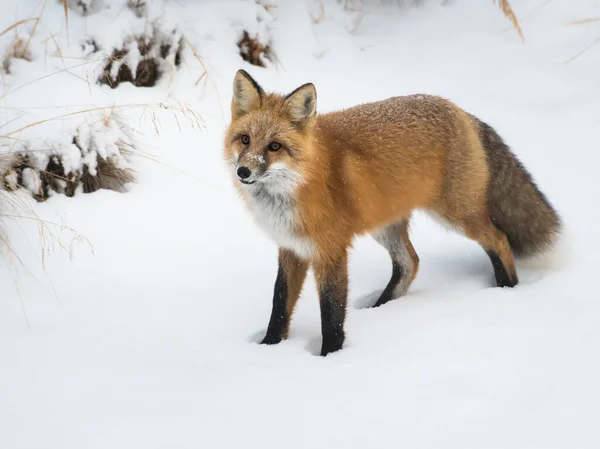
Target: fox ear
[(247, 94), (302, 104)]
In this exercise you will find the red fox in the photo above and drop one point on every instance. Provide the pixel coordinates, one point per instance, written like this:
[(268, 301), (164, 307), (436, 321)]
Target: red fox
[(314, 182)]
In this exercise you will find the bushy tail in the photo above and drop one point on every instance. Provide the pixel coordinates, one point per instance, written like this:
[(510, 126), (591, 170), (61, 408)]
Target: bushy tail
[(517, 206)]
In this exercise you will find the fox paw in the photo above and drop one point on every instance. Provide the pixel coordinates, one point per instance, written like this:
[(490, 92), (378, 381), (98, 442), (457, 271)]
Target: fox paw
[(332, 344), (271, 340)]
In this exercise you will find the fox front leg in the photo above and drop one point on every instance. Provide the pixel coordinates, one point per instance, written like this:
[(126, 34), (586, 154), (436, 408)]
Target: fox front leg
[(332, 282), (288, 285)]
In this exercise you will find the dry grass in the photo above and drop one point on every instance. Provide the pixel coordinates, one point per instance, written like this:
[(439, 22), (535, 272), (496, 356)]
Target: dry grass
[(15, 25), (15, 207), (108, 174), (19, 47), (510, 15), (16, 50), (593, 44), (66, 11), (588, 47), (582, 21), (26, 174), (356, 7), (206, 76), (321, 15), (21, 170), (35, 26), (52, 236)]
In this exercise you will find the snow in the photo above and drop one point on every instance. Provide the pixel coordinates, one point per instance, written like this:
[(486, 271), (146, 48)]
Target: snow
[(130, 320)]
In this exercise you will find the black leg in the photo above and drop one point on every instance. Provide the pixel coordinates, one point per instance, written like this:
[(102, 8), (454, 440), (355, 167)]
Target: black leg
[(288, 285), (332, 281), (502, 277), (389, 292), (279, 316), (405, 262)]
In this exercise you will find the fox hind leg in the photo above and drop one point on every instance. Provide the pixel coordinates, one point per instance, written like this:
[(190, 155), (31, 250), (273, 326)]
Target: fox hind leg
[(405, 261), (496, 246), (495, 243)]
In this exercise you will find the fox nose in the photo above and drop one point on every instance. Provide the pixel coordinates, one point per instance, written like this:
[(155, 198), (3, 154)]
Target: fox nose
[(243, 172)]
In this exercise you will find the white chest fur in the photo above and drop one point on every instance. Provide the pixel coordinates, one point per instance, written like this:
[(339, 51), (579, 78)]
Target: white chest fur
[(276, 214)]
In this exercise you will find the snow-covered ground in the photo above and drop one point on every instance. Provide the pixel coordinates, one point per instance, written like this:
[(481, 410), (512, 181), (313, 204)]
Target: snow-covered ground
[(149, 340)]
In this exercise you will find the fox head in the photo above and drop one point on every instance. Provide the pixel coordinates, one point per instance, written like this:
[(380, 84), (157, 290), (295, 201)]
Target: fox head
[(269, 136)]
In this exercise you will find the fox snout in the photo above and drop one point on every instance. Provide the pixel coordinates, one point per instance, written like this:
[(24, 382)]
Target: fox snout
[(243, 172), (250, 167), (246, 175)]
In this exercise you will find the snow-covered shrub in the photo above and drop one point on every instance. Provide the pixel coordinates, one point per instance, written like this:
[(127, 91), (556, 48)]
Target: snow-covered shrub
[(84, 7), (254, 51), (7, 161), (144, 58), (139, 7), (94, 158), (255, 43)]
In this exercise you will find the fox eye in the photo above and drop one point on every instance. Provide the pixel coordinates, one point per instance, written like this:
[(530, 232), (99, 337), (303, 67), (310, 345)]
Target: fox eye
[(245, 139), (274, 146)]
